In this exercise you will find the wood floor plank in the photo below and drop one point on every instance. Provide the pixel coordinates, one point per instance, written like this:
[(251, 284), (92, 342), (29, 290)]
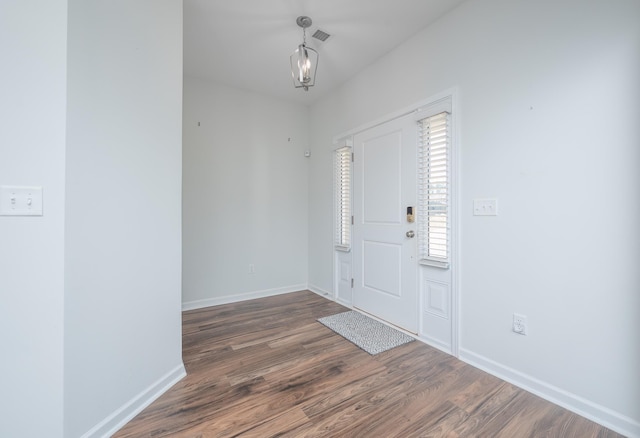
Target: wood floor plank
[(288, 420), (414, 405), (267, 368)]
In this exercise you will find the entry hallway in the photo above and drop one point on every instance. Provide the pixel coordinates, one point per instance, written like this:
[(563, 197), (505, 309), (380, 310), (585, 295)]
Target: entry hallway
[(266, 368)]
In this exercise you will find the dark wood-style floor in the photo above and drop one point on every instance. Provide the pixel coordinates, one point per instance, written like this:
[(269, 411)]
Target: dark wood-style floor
[(267, 368)]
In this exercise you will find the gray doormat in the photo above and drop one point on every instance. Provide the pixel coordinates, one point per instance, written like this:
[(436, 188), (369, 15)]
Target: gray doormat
[(370, 335)]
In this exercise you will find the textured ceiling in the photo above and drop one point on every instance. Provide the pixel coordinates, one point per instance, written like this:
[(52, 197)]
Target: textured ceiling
[(247, 43)]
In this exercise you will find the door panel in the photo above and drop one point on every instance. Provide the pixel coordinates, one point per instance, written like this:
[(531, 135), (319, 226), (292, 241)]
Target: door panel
[(385, 265), (381, 179), (381, 267)]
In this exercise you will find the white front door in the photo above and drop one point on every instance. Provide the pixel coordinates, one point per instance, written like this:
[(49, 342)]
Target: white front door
[(384, 249)]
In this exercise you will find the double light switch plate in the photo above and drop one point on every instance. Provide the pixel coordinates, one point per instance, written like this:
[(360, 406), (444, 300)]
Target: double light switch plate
[(485, 207), (20, 201)]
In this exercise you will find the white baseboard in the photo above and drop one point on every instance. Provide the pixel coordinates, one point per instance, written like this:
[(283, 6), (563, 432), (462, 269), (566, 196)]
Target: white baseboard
[(593, 411), (133, 407), (208, 302), (320, 291)]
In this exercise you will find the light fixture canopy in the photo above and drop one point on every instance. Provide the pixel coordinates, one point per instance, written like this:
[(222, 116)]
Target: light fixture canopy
[(304, 60)]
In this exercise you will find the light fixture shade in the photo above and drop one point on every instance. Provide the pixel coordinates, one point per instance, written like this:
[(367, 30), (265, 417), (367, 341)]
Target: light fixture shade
[(304, 63)]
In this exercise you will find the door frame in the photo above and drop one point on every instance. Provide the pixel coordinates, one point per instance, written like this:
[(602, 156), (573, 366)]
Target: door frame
[(341, 258)]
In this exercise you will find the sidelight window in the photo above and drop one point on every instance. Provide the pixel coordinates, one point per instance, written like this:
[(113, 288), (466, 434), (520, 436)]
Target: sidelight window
[(342, 187), (434, 189)]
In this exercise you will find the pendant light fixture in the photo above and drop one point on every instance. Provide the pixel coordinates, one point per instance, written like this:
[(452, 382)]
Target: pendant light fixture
[(304, 61)]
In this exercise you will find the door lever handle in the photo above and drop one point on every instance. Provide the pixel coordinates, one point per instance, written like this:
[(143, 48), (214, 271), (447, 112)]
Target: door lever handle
[(410, 234)]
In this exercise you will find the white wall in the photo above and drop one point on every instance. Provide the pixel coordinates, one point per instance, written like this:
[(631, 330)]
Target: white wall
[(550, 103), (245, 195), (123, 213), (33, 49)]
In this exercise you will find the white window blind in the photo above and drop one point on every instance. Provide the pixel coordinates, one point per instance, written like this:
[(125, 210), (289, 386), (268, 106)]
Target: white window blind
[(342, 183), (433, 189)]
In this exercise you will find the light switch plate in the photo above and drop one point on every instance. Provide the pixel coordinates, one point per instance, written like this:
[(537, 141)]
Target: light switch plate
[(485, 207), (20, 201)]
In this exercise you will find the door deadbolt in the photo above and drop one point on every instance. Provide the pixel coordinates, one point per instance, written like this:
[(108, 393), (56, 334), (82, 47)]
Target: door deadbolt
[(410, 234), (410, 216)]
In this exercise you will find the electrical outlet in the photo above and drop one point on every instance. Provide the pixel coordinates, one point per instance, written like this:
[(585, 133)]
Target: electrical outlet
[(252, 268), (519, 324)]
